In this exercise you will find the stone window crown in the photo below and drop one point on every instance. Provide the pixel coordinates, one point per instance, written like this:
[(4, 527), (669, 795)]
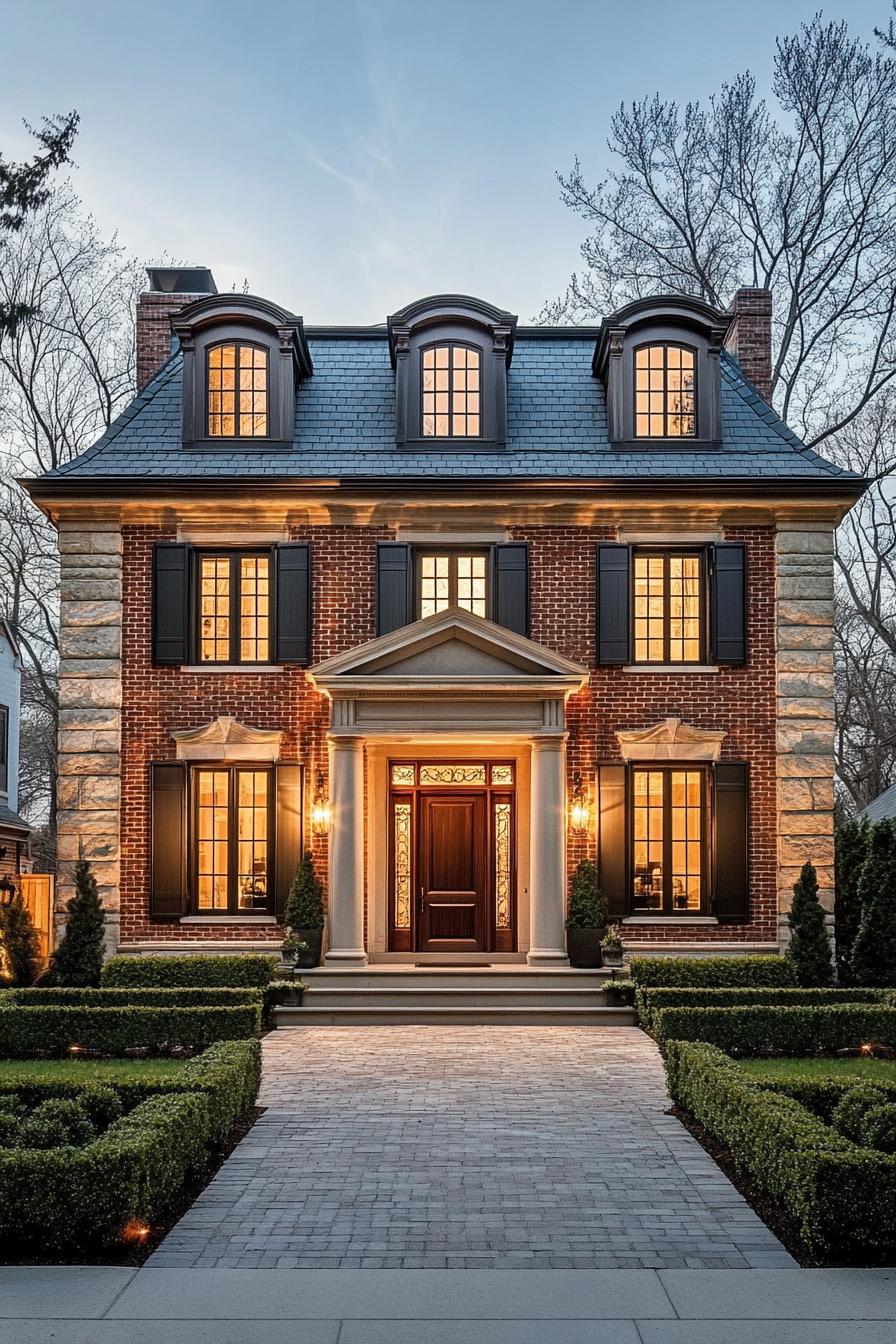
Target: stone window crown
[(658, 359), (451, 354), (243, 359)]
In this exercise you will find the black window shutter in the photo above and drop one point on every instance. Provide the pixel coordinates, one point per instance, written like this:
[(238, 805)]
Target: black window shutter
[(170, 602), (168, 874), (393, 586), (730, 852), (613, 603), (288, 833), (612, 831), (510, 602), (729, 603), (293, 586)]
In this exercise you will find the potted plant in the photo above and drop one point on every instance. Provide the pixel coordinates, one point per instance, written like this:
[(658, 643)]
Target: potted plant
[(305, 913), (587, 918), (293, 948), (620, 993), (611, 947)]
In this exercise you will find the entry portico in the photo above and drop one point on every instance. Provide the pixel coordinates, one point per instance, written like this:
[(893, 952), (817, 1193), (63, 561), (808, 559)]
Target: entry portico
[(489, 705)]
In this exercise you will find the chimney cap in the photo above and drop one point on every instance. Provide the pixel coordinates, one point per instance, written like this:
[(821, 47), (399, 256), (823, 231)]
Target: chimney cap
[(181, 280)]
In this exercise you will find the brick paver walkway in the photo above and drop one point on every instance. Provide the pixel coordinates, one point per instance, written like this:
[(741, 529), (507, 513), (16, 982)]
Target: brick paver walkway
[(468, 1147)]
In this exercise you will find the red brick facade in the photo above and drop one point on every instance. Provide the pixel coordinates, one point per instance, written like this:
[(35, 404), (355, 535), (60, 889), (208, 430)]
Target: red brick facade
[(158, 700)]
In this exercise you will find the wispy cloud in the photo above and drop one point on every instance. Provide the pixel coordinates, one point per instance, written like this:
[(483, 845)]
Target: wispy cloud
[(361, 189)]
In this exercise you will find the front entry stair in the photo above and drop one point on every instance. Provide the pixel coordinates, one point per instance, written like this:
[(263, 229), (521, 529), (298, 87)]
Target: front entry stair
[(458, 995)]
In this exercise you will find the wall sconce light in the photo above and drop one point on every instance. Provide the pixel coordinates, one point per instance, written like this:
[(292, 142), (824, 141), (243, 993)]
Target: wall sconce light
[(320, 808), (579, 810)]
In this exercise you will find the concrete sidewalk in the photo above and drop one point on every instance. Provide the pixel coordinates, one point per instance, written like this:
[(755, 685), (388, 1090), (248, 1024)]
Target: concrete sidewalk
[(98, 1305)]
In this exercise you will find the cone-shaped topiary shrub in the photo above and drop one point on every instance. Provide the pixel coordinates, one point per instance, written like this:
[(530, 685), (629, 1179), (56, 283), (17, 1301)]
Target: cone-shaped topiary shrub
[(78, 960), (850, 850), (305, 904), (810, 946), (587, 907), (19, 941), (873, 960)]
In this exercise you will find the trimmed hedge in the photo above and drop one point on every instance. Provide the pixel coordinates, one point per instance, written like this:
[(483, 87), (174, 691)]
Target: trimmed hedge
[(712, 972), (70, 1198), (650, 1001), (755, 1030), (137, 998), (244, 970), (28, 1031), (819, 1095), (843, 1197)]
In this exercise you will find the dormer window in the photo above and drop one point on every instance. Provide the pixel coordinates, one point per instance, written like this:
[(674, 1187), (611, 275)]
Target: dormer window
[(451, 391), (665, 392), (237, 391)]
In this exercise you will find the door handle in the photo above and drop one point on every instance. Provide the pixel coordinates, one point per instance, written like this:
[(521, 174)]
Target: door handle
[(420, 898)]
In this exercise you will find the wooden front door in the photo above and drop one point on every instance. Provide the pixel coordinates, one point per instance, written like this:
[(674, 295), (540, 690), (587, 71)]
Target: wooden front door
[(453, 871)]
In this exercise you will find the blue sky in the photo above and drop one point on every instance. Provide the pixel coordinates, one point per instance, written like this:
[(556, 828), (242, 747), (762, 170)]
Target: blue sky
[(346, 156)]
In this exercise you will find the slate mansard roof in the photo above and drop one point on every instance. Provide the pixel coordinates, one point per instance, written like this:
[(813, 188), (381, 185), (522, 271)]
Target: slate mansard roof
[(345, 427)]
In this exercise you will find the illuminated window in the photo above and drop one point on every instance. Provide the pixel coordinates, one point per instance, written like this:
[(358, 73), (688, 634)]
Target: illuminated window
[(453, 579), (233, 814), (234, 608), (451, 392), (668, 608), (665, 396), (237, 391), (668, 826)]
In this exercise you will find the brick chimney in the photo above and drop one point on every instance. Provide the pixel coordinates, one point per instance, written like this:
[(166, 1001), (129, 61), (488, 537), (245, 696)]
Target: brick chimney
[(170, 288), (750, 337)]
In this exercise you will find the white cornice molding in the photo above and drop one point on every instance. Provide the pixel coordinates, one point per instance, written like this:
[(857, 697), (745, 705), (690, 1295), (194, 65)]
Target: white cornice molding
[(671, 740), (226, 739)]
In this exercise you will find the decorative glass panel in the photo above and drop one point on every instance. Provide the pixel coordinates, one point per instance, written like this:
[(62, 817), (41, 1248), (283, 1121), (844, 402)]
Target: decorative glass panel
[(503, 865), (403, 774), (687, 835), (212, 835), (237, 391), (647, 817), (402, 862), (665, 398), (252, 835), (451, 394), (214, 609), (254, 608), (452, 774), (502, 774)]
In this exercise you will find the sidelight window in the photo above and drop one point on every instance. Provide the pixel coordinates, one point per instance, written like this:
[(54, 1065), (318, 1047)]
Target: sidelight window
[(232, 825), (668, 840)]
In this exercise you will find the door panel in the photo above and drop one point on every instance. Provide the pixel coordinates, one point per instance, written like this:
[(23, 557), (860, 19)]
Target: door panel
[(452, 868)]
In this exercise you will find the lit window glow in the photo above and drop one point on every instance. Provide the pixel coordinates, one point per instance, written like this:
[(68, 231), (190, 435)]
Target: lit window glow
[(667, 608), (665, 398), (454, 580), (232, 805), (237, 391), (219, 577), (667, 828), (451, 392)]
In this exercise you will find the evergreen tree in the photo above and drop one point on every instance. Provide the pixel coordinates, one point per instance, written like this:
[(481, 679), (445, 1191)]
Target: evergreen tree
[(78, 960), (19, 941), (850, 850), (873, 959), (305, 904), (587, 907), (810, 946)]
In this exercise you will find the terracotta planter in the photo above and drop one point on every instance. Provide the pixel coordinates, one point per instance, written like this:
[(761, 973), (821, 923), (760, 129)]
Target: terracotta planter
[(306, 961), (583, 946)]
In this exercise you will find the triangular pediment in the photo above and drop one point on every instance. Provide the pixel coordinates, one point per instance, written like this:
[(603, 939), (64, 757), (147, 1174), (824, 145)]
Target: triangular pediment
[(452, 647)]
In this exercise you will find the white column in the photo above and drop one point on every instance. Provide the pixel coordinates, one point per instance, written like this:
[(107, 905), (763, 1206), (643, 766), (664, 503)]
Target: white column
[(547, 862), (346, 853)]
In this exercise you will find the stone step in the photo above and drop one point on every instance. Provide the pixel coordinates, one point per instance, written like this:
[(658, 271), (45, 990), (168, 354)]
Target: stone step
[(460, 977), (540, 1015), (328, 996)]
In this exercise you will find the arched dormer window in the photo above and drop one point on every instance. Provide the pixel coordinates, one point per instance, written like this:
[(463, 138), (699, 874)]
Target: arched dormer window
[(243, 359), (451, 354), (659, 362)]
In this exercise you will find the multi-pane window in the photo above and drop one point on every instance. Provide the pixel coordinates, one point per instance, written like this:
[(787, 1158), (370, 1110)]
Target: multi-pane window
[(237, 391), (453, 579), (668, 607), (665, 395), (668, 830), (233, 599), (451, 392), (231, 854)]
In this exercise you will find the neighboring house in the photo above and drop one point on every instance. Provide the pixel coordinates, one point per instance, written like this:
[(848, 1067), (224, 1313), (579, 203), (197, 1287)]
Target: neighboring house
[(456, 603), (883, 807), (15, 834)]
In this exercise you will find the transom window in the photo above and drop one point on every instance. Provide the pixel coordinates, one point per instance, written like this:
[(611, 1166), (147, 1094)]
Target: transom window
[(237, 391), (668, 607), (234, 597), (451, 391), (452, 579), (232, 825), (668, 840), (665, 396)]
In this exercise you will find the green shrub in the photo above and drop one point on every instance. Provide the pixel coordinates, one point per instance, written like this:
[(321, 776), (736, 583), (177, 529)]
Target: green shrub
[(879, 1128), (753, 1030), (842, 1197), (19, 940), (242, 970), (712, 972), (305, 903), (587, 907), (71, 1114), (819, 1095), (850, 851), (649, 1001), (9, 1129), (849, 1114), (874, 950), (102, 1104), (41, 1131), (137, 998), (809, 950), (78, 960), (113, 1031)]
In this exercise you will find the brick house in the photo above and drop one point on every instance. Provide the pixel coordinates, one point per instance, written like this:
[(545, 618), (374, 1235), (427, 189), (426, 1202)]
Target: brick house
[(454, 603)]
